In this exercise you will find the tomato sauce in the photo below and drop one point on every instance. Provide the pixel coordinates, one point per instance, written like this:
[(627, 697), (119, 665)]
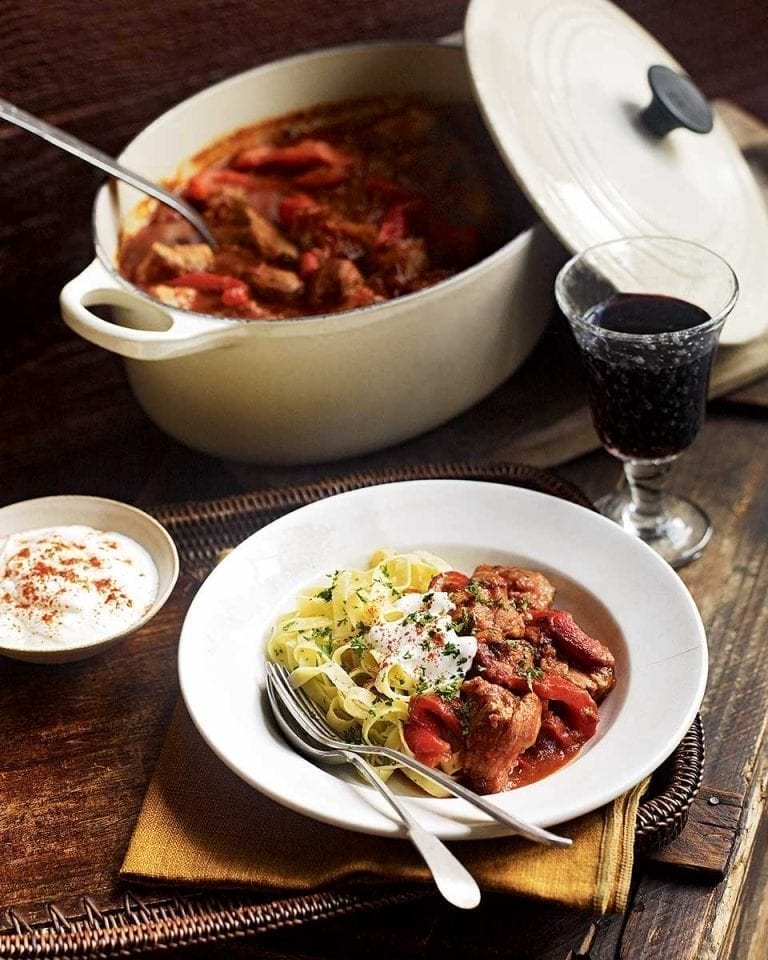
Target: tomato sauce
[(330, 209)]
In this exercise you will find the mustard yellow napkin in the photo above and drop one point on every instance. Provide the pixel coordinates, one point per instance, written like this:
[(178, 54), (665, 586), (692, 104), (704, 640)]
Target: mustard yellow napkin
[(201, 825)]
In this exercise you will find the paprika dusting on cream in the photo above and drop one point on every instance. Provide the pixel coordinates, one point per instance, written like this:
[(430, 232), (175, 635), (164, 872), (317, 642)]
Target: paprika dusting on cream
[(71, 585)]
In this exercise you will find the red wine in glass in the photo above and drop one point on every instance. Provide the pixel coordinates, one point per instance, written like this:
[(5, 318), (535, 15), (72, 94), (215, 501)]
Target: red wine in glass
[(647, 313), (647, 400)]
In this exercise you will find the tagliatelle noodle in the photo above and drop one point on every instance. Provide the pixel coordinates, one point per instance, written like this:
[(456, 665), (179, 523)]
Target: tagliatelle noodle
[(322, 644)]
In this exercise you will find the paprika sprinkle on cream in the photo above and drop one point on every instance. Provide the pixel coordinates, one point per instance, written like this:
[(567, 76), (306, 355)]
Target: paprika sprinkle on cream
[(68, 585)]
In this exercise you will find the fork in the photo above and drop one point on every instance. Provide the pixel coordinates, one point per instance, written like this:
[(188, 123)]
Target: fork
[(451, 877), (308, 716)]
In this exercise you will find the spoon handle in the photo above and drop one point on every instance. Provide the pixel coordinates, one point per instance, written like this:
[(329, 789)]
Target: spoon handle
[(60, 138), (451, 877)]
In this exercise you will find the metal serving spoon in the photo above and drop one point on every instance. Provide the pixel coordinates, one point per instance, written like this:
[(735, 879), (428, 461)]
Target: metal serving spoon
[(451, 877), (60, 138)]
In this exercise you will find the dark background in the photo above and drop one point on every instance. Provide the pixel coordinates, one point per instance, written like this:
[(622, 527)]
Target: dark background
[(104, 69)]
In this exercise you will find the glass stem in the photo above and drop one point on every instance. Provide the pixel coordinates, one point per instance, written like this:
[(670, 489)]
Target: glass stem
[(647, 484)]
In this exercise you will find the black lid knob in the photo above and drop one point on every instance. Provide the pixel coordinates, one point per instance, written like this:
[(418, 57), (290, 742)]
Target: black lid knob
[(677, 102)]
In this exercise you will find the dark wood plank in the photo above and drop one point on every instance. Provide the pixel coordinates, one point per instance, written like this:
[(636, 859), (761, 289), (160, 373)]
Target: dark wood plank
[(707, 842), (685, 917), (85, 738)]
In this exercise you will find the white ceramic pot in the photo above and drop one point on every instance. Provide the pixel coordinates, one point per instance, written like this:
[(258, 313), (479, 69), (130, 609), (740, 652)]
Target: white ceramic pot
[(324, 387)]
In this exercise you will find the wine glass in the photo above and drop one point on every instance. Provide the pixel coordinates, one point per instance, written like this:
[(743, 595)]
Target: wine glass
[(647, 313)]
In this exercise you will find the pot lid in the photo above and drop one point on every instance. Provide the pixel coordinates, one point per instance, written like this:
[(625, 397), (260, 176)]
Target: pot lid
[(566, 90)]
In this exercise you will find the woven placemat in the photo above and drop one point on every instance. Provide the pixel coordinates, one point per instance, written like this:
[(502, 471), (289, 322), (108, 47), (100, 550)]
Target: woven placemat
[(203, 532)]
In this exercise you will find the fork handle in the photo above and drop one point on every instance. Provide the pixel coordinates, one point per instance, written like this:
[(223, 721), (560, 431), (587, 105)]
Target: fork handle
[(457, 789), (451, 877)]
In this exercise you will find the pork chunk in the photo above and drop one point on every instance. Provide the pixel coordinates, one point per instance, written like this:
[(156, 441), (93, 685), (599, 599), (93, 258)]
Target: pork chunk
[(598, 682), (183, 297), (275, 283), (267, 238), (163, 262), (528, 589), (501, 726), (506, 662), (234, 221)]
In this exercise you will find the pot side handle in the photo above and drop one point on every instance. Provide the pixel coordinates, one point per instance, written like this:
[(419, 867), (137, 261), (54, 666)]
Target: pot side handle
[(164, 332)]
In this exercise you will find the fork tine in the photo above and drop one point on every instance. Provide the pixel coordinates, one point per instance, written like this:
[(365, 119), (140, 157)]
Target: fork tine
[(313, 708), (288, 696), (313, 714), (297, 715), (316, 714)]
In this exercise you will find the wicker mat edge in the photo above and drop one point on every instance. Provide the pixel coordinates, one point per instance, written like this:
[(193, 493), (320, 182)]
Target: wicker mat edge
[(205, 529)]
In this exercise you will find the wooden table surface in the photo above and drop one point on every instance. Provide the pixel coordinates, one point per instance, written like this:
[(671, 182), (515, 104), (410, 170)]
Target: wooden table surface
[(68, 423)]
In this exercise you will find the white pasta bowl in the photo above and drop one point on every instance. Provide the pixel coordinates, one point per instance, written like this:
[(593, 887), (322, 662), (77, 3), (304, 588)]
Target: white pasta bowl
[(616, 587), (100, 514)]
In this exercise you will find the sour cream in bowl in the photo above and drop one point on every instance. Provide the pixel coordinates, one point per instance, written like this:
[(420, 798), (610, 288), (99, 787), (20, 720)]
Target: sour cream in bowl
[(77, 574)]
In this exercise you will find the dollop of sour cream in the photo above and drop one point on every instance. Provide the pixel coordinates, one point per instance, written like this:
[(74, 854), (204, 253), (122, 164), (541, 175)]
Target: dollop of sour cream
[(423, 642), (71, 585)]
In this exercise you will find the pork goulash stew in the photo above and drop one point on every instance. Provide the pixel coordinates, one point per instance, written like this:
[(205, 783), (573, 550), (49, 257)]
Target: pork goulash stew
[(479, 675), (329, 209)]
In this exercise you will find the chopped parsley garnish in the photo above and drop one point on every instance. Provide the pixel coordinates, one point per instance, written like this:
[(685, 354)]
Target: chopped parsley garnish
[(449, 688), (327, 593), (463, 622), (531, 674), (481, 595), (465, 714)]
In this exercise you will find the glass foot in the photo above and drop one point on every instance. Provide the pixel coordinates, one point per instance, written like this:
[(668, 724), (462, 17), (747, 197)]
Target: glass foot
[(679, 536)]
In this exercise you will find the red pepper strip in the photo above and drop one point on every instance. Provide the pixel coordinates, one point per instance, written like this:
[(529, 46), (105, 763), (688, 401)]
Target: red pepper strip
[(309, 263), (305, 153), (433, 731), (556, 728), (235, 296), (427, 745), (566, 634), (211, 282), (293, 204), (580, 709), (209, 181), (394, 225), (322, 176), (449, 582)]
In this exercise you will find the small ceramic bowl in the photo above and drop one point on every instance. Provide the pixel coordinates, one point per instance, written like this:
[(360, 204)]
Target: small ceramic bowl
[(101, 514)]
